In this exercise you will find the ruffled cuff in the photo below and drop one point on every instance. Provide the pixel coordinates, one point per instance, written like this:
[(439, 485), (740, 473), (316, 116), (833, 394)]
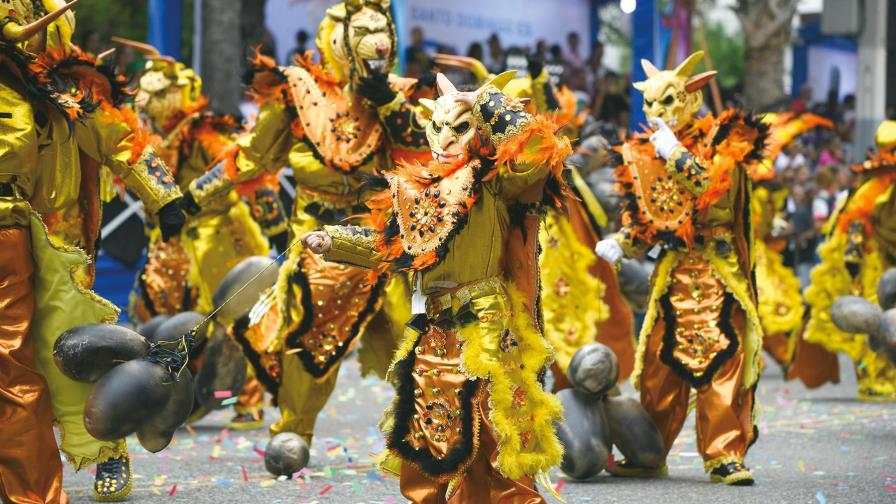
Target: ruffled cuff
[(150, 179)]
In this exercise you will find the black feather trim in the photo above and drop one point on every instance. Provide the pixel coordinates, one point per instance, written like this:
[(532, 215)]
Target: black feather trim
[(670, 343), (404, 410), (239, 329), (294, 339)]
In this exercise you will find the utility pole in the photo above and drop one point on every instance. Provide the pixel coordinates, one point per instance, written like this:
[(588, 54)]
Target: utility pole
[(871, 86)]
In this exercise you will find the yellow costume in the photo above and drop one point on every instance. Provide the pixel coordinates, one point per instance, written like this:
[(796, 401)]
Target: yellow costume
[(687, 193), (190, 139), (183, 274), (780, 298), (61, 124), (860, 246), (580, 298), (313, 119), (470, 421)]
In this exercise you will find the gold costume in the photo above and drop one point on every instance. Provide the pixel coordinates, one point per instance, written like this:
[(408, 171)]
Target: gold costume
[(62, 125), (860, 246), (702, 328), (313, 120), (470, 421)]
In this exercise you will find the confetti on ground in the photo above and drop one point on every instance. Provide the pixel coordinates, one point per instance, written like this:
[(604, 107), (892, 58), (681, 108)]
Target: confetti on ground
[(559, 486), (325, 490), (245, 473), (173, 489), (223, 394), (228, 402)]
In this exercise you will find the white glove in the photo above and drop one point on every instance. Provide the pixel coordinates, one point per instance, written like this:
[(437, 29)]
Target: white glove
[(609, 250), (663, 139)]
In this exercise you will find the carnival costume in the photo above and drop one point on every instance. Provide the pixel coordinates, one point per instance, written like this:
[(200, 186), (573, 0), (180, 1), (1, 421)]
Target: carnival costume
[(580, 297), (687, 193), (781, 308), (470, 421), (61, 122), (860, 246), (335, 124), (182, 274)]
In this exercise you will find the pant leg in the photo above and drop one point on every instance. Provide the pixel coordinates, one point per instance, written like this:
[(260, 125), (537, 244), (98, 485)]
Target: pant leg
[(301, 397), (664, 394), (30, 468), (251, 398), (483, 482), (725, 410)]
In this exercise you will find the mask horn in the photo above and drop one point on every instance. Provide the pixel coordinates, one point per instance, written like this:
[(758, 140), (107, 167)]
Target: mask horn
[(145, 49), (105, 54), (501, 80), (428, 105), (649, 69), (698, 81), (17, 33), (444, 85), (686, 68)]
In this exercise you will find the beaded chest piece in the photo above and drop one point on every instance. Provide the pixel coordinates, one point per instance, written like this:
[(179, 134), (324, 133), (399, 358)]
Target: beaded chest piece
[(663, 202), (430, 206)]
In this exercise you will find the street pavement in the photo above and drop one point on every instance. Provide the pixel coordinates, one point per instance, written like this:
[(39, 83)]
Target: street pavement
[(815, 446)]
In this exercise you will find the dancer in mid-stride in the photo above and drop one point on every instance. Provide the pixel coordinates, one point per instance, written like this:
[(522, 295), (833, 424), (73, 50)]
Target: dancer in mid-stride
[(470, 421), (686, 195)]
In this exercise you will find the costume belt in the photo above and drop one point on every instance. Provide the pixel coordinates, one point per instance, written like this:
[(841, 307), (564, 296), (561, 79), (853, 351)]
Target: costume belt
[(718, 237), (455, 302)]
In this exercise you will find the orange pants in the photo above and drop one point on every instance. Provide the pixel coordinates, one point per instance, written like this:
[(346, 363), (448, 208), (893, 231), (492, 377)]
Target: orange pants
[(30, 468), (724, 410), (481, 482)]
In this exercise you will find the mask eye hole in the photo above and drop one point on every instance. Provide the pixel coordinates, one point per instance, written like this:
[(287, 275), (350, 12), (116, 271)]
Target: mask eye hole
[(668, 100), (462, 128), (436, 126), (649, 103)]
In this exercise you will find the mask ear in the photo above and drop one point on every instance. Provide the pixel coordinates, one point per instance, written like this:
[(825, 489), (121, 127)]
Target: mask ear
[(640, 86), (336, 12), (698, 81), (649, 69), (686, 68)]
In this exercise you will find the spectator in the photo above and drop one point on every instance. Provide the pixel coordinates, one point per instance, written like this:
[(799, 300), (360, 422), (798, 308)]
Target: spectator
[(573, 58), (595, 69), (803, 102), (476, 51), (301, 46), (825, 196), (541, 50), (801, 233), (832, 155), (90, 42), (495, 60), (417, 60)]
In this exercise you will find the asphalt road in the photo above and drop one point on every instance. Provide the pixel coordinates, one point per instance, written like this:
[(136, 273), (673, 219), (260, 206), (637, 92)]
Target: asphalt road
[(815, 446)]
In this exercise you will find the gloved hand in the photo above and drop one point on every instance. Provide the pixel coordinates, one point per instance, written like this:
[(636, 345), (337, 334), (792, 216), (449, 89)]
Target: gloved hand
[(375, 88), (663, 139), (609, 250), (281, 241), (171, 220), (189, 205)]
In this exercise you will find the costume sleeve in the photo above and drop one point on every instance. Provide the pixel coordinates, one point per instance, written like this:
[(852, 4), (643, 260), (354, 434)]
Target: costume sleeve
[(688, 170), (528, 150), (353, 245), (269, 212), (264, 149), (112, 137), (404, 123)]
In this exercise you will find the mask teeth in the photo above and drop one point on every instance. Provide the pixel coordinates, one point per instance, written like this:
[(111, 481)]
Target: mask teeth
[(378, 65)]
